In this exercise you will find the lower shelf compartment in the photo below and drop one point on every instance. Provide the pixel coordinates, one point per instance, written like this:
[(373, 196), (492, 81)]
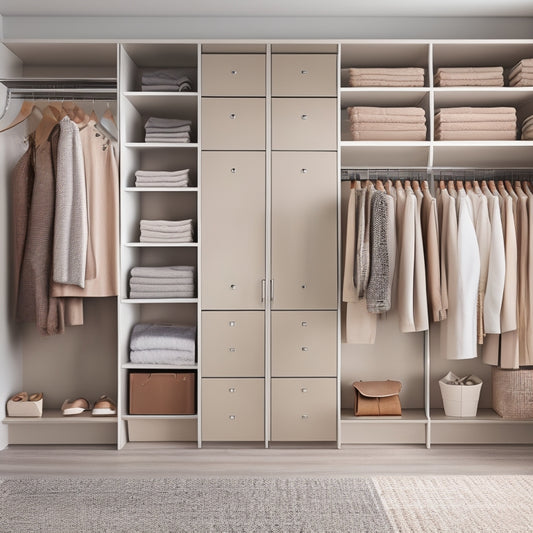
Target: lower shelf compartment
[(162, 428)]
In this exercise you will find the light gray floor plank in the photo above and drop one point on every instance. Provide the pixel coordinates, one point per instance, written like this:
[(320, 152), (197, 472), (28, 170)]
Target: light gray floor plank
[(160, 460)]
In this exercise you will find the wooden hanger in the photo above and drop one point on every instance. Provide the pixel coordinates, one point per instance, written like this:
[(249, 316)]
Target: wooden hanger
[(26, 110), (76, 114), (492, 187), (44, 128), (379, 185), (93, 116), (352, 184), (468, 185), (459, 185), (442, 185), (53, 111), (109, 115), (415, 185)]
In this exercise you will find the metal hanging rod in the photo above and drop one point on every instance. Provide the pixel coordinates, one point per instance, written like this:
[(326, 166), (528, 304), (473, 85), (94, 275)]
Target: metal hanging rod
[(351, 174)]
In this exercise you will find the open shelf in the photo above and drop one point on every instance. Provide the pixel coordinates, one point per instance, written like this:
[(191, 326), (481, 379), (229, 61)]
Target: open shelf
[(159, 103), (159, 417), (408, 415), (383, 154), (383, 96), (484, 416), (55, 416), (482, 96)]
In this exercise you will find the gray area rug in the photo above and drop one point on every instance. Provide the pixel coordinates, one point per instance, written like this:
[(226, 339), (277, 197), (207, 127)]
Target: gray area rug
[(222, 504)]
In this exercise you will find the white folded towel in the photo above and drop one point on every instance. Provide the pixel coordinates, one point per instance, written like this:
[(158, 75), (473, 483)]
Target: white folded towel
[(163, 336), (163, 272), (162, 357)]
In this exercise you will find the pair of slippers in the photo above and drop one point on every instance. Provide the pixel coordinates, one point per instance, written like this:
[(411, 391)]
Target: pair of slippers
[(104, 406), (25, 397)]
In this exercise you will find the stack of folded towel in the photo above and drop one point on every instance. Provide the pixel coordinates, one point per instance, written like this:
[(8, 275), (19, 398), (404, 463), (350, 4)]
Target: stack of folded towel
[(162, 178), (167, 130), (476, 124), (162, 282), (387, 123), (169, 231), (469, 77), (162, 344), (383, 77), (165, 79), (527, 129), (522, 74)]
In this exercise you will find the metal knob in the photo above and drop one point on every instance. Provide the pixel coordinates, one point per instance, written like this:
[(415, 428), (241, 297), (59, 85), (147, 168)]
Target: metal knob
[(304, 390), (233, 286), (232, 323), (303, 71), (233, 170), (303, 286), (304, 171), (232, 417), (233, 116), (232, 389), (304, 324), (304, 117), (305, 417), (234, 72), (232, 350), (305, 349)]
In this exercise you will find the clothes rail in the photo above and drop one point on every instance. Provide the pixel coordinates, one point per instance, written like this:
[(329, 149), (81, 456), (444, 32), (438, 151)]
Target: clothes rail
[(351, 174)]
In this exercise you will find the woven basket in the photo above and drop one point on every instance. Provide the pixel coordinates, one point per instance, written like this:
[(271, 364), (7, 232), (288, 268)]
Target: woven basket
[(512, 393)]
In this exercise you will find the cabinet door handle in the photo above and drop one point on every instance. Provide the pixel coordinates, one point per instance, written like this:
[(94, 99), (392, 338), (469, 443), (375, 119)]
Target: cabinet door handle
[(232, 417), (234, 72), (304, 116), (303, 71), (305, 349), (305, 417), (263, 290), (233, 116), (232, 389), (232, 350), (271, 290)]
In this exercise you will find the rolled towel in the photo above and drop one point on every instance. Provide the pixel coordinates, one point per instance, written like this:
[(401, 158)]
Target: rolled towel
[(163, 336), (163, 272), (385, 111), (162, 357), (134, 295), (475, 135), (389, 136), (166, 122)]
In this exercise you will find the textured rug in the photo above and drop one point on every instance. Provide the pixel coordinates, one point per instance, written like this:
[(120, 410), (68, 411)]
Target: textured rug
[(191, 505), (458, 504)]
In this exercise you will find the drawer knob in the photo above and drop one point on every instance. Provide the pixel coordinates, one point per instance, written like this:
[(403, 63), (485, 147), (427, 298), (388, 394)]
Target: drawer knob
[(304, 171), (232, 417), (232, 389), (234, 72), (304, 117), (233, 286), (304, 389), (304, 286), (303, 71), (305, 417), (233, 170), (233, 116), (304, 324), (232, 350), (305, 349), (232, 323)]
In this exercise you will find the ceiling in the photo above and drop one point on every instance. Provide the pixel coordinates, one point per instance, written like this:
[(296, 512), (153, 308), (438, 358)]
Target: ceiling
[(270, 8)]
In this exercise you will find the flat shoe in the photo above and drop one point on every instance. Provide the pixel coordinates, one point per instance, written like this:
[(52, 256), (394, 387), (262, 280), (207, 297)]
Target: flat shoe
[(20, 397), (75, 407), (104, 406)]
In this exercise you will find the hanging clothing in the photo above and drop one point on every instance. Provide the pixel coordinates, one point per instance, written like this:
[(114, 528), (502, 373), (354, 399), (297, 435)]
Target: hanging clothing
[(101, 174), (420, 300), (529, 330)]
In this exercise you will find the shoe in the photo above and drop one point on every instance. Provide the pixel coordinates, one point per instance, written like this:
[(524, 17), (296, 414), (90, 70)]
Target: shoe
[(75, 407), (35, 397), (104, 406), (20, 397)]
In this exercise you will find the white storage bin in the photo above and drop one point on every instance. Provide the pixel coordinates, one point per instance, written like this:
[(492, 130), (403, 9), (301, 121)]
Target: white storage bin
[(460, 400)]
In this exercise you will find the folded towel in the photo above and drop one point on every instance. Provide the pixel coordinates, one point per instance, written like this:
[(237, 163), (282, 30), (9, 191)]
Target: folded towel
[(163, 272), (527, 121), (166, 223), (525, 65), (166, 140), (161, 184), (184, 87), (476, 126), (492, 82), (389, 136), (177, 179), (387, 71), (163, 336), (166, 122), (392, 126), (135, 295), (466, 118), (161, 173), (162, 357), (475, 135), (168, 236), (521, 81), (142, 280), (177, 129), (476, 110), (171, 74), (386, 83), (470, 70), (359, 118), (386, 111), (468, 73), (171, 240), (140, 288)]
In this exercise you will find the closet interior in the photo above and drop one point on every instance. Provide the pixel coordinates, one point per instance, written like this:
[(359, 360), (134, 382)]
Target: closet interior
[(264, 179)]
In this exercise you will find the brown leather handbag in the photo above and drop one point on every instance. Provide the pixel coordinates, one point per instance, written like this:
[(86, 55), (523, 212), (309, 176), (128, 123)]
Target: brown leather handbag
[(377, 398)]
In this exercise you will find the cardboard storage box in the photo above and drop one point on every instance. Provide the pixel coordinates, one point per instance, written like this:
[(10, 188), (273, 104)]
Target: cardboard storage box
[(162, 393)]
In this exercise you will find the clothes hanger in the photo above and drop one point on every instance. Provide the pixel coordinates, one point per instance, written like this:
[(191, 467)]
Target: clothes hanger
[(352, 184), (27, 108), (468, 185), (442, 185), (415, 185), (492, 187), (388, 186), (459, 185), (45, 127), (379, 185), (451, 186)]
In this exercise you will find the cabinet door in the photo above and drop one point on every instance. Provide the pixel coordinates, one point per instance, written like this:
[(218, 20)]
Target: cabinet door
[(233, 75), (304, 343), (233, 230), (304, 124), (233, 343), (304, 75), (304, 230), (233, 124), (233, 409), (304, 409)]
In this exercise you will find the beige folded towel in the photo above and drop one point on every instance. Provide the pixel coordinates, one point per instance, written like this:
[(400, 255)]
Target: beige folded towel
[(387, 119), (474, 110), (518, 68), (480, 117), (385, 111), (527, 121), (521, 81), (475, 135), (469, 70), (476, 126), (490, 82), (468, 76), (386, 83), (390, 126), (389, 136), (387, 71)]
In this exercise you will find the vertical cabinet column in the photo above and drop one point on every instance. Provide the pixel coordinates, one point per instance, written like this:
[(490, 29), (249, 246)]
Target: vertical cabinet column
[(233, 256), (304, 248)]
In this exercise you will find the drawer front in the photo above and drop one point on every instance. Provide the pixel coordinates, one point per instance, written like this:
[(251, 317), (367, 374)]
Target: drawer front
[(304, 201), (233, 75), (233, 124), (233, 343), (304, 75), (233, 231), (233, 409), (304, 409), (304, 343), (304, 124)]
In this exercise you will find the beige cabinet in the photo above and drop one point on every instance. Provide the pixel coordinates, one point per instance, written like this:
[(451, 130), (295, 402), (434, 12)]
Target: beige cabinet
[(233, 74), (233, 124), (304, 124), (304, 75), (304, 230), (233, 409), (233, 230), (233, 343), (304, 409), (304, 343)]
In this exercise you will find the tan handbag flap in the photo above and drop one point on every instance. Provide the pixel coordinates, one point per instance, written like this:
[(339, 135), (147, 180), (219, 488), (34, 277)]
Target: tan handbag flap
[(378, 389)]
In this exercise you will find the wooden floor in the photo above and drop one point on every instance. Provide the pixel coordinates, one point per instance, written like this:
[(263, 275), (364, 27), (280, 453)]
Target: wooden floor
[(161, 460)]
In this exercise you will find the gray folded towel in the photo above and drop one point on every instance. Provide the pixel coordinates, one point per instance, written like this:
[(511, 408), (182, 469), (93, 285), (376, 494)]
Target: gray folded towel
[(160, 281), (161, 184), (177, 129), (161, 173), (166, 140), (135, 295), (162, 289), (158, 122), (170, 240), (162, 357), (163, 272), (163, 336)]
